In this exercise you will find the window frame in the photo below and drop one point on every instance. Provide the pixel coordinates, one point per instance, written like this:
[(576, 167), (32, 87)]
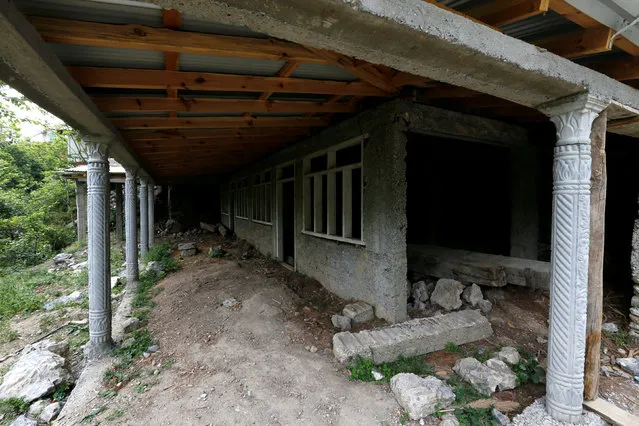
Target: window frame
[(261, 204), (310, 218), (241, 198)]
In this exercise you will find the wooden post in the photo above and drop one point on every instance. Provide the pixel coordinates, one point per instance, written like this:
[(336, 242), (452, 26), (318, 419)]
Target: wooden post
[(596, 257)]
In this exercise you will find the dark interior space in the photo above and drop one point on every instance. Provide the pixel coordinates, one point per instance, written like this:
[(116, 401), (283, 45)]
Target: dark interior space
[(458, 194), (189, 204)]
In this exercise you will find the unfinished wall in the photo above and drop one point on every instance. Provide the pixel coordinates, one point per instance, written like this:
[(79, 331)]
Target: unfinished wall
[(374, 272)]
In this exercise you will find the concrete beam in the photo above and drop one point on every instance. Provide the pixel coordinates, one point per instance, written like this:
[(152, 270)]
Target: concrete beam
[(420, 38), (31, 67)]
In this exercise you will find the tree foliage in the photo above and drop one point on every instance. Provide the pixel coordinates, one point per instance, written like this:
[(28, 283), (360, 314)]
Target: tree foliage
[(36, 203)]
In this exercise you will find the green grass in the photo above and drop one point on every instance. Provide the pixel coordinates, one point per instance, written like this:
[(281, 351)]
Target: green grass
[(619, 337), (464, 392), (12, 408), (362, 370), (114, 415), (451, 347), (482, 355), (162, 253), (476, 417)]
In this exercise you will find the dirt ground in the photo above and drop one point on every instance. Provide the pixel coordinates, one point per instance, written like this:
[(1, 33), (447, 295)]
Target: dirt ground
[(268, 360), (254, 364)]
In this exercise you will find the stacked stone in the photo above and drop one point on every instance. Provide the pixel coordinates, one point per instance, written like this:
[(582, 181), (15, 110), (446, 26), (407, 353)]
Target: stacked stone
[(634, 316)]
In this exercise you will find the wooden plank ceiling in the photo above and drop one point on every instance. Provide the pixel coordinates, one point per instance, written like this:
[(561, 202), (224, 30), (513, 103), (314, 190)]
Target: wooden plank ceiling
[(182, 122)]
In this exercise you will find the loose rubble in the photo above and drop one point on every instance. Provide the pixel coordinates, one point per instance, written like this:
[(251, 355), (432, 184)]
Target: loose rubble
[(630, 365), (187, 249), (473, 295), (509, 355), (447, 294), (421, 397), (536, 415), (131, 324), (488, 377), (75, 297), (51, 412), (341, 322), (359, 312)]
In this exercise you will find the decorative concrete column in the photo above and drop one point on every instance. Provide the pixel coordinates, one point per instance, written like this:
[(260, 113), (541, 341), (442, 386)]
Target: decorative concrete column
[(573, 119), (119, 213), (634, 271), (151, 200), (131, 222), (81, 207), (99, 249), (144, 218)]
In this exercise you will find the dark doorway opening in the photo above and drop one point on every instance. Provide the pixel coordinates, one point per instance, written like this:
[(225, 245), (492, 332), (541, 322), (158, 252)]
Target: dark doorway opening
[(288, 222)]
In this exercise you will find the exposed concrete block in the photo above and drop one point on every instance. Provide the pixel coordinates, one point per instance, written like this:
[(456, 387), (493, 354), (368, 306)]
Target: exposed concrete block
[(411, 338), (359, 312)]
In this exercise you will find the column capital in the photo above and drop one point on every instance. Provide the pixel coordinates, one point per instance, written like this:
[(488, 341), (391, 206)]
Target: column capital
[(573, 117), (130, 171), (97, 148)]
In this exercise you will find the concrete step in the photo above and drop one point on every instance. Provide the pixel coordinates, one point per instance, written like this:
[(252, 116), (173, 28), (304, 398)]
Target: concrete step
[(415, 337)]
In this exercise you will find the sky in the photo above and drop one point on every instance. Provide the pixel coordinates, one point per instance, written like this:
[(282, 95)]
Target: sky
[(29, 130)]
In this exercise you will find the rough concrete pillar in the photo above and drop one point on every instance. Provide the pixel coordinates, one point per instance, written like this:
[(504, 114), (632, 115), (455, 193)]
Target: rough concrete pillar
[(81, 207), (144, 218), (573, 119), (131, 212), (634, 270), (151, 212), (524, 223), (119, 213), (99, 250)]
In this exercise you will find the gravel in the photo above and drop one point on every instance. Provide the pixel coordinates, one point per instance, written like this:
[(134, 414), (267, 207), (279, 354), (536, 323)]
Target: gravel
[(535, 415)]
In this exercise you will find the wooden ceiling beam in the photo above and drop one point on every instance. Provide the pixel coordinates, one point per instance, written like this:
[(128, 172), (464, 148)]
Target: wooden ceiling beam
[(575, 15), (186, 134), (142, 104), (215, 122), (619, 69), (206, 143), (579, 43), (502, 12), (69, 31), (159, 79), (172, 19)]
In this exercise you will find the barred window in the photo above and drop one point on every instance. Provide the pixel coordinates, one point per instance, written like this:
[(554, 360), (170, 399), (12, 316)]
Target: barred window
[(262, 198), (333, 193), (225, 200), (241, 199)]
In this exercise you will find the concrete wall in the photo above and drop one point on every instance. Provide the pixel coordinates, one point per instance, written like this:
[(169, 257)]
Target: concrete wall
[(376, 271)]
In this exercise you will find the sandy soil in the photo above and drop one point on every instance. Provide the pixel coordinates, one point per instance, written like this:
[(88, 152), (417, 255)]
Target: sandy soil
[(248, 365)]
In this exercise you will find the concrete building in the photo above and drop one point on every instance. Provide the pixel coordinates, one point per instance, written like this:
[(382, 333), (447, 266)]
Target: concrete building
[(349, 138)]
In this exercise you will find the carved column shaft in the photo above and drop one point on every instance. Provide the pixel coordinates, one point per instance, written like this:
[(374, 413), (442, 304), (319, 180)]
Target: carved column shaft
[(131, 223), (119, 213), (81, 207), (151, 200), (144, 218), (569, 259), (99, 250)]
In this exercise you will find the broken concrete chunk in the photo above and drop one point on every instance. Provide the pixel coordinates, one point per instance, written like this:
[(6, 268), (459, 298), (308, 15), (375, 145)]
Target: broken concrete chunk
[(509, 355), (24, 421), (610, 327), (421, 397), (473, 295), (488, 377), (187, 249), (629, 365), (411, 338), (231, 303), (34, 375), (130, 325), (341, 322), (422, 290), (50, 412), (447, 294), (359, 312), (485, 306)]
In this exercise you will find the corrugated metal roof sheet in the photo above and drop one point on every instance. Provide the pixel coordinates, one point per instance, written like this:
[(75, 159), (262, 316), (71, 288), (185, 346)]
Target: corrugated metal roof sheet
[(96, 11), (71, 54), (229, 65), (540, 26), (323, 72)]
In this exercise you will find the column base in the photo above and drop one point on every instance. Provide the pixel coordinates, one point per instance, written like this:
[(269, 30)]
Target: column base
[(98, 350), (564, 414)]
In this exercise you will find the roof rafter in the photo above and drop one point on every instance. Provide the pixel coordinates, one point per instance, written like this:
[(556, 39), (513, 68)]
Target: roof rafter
[(579, 43), (502, 12), (186, 134), (143, 104), (158, 79), (215, 122)]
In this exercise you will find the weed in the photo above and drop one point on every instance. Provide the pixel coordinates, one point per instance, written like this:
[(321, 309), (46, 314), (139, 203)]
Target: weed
[(7, 334), (162, 253), (619, 337), (404, 418), (464, 392), (109, 393), (89, 418), (481, 354), (528, 370), (11, 408), (114, 415), (322, 305), (168, 364), (476, 417), (362, 370), (218, 253), (143, 340), (142, 314), (62, 391), (46, 322), (140, 388), (451, 347), (79, 336)]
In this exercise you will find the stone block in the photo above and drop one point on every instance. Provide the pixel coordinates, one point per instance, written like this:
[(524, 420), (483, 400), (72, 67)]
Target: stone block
[(421, 397), (341, 322), (488, 377), (509, 355), (415, 337), (447, 294), (50, 412), (473, 295), (359, 312)]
